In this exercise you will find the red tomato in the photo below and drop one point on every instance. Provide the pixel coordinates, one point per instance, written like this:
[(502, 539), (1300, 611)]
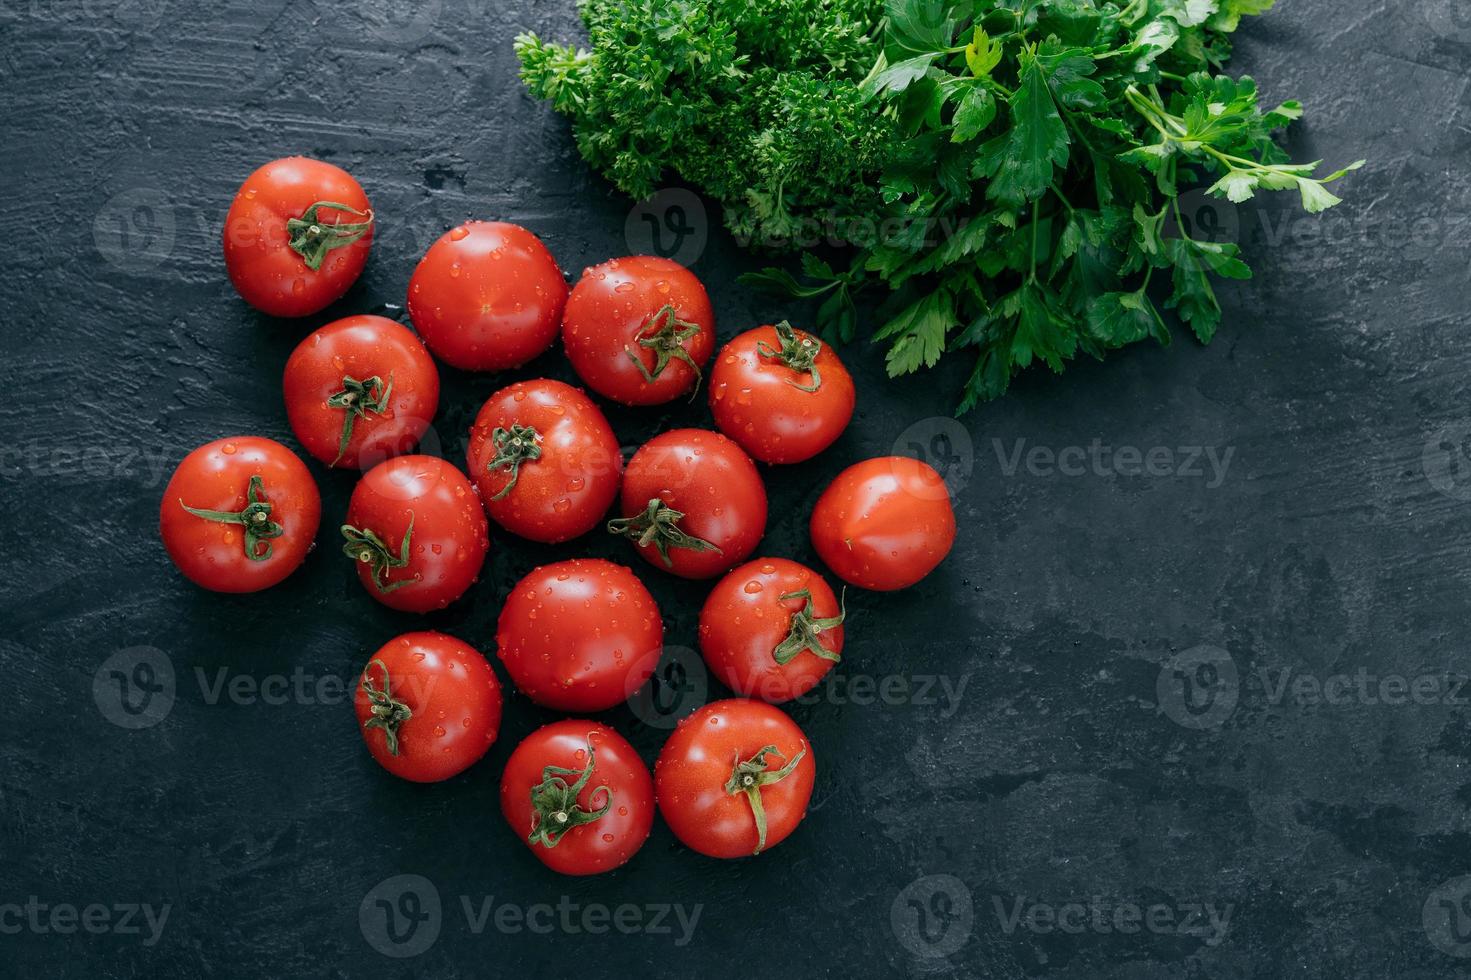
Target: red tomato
[(884, 523), (580, 797), (545, 460), (580, 635), (639, 329), (771, 629), (360, 390), (297, 236), (239, 514), (487, 296), (781, 393), (428, 706), (693, 503), (417, 533), (734, 778)]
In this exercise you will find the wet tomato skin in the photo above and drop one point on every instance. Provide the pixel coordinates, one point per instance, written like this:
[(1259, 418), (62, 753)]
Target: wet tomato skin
[(713, 483), (757, 401), (217, 477), (884, 523), (361, 348), (745, 619), (697, 762), (563, 492), (449, 540), (580, 635), (619, 778), (453, 698), (613, 305), (267, 273), (487, 296)]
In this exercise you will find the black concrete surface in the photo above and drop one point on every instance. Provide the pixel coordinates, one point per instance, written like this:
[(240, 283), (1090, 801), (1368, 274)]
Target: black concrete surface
[(1187, 700)]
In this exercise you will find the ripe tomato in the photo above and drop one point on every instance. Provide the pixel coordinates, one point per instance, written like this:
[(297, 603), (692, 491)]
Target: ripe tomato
[(417, 533), (545, 460), (487, 296), (638, 329), (771, 629), (360, 390), (297, 236), (884, 523), (734, 778), (428, 706), (239, 514), (781, 393), (580, 797), (580, 635), (693, 503)]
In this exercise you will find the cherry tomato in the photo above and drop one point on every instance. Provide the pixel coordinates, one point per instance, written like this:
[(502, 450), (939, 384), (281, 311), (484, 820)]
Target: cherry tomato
[(771, 629), (580, 635), (487, 296), (545, 460), (693, 503), (734, 778), (417, 533), (297, 236), (884, 523), (580, 797), (239, 514), (428, 706), (360, 390), (639, 329), (781, 393)]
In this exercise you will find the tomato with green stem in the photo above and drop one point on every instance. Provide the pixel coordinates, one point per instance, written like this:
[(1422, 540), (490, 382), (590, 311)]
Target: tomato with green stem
[(885, 523), (545, 460), (735, 778), (417, 533), (781, 393), (771, 629), (428, 706), (639, 329), (487, 296), (692, 503), (360, 390), (239, 514), (579, 635), (297, 236), (579, 796)]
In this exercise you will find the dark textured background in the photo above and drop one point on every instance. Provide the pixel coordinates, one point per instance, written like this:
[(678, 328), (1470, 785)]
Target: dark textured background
[(1334, 831)]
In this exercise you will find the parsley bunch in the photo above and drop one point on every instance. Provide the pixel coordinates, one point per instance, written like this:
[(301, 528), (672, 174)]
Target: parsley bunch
[(1008, 171)]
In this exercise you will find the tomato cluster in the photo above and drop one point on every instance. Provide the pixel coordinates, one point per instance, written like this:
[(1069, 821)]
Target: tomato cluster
[(580, 636)]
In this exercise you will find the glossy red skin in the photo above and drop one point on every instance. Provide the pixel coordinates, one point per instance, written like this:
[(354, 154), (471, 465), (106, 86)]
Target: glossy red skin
[(696, 762), (580, 635), (450, 539), (266, 272), (565, 492), (745, 619), (360, 347), (610, 308), (487, 296), (884, 523), (755, 401), (714, 483), (216, 476), (455, 699), (611, 840)]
